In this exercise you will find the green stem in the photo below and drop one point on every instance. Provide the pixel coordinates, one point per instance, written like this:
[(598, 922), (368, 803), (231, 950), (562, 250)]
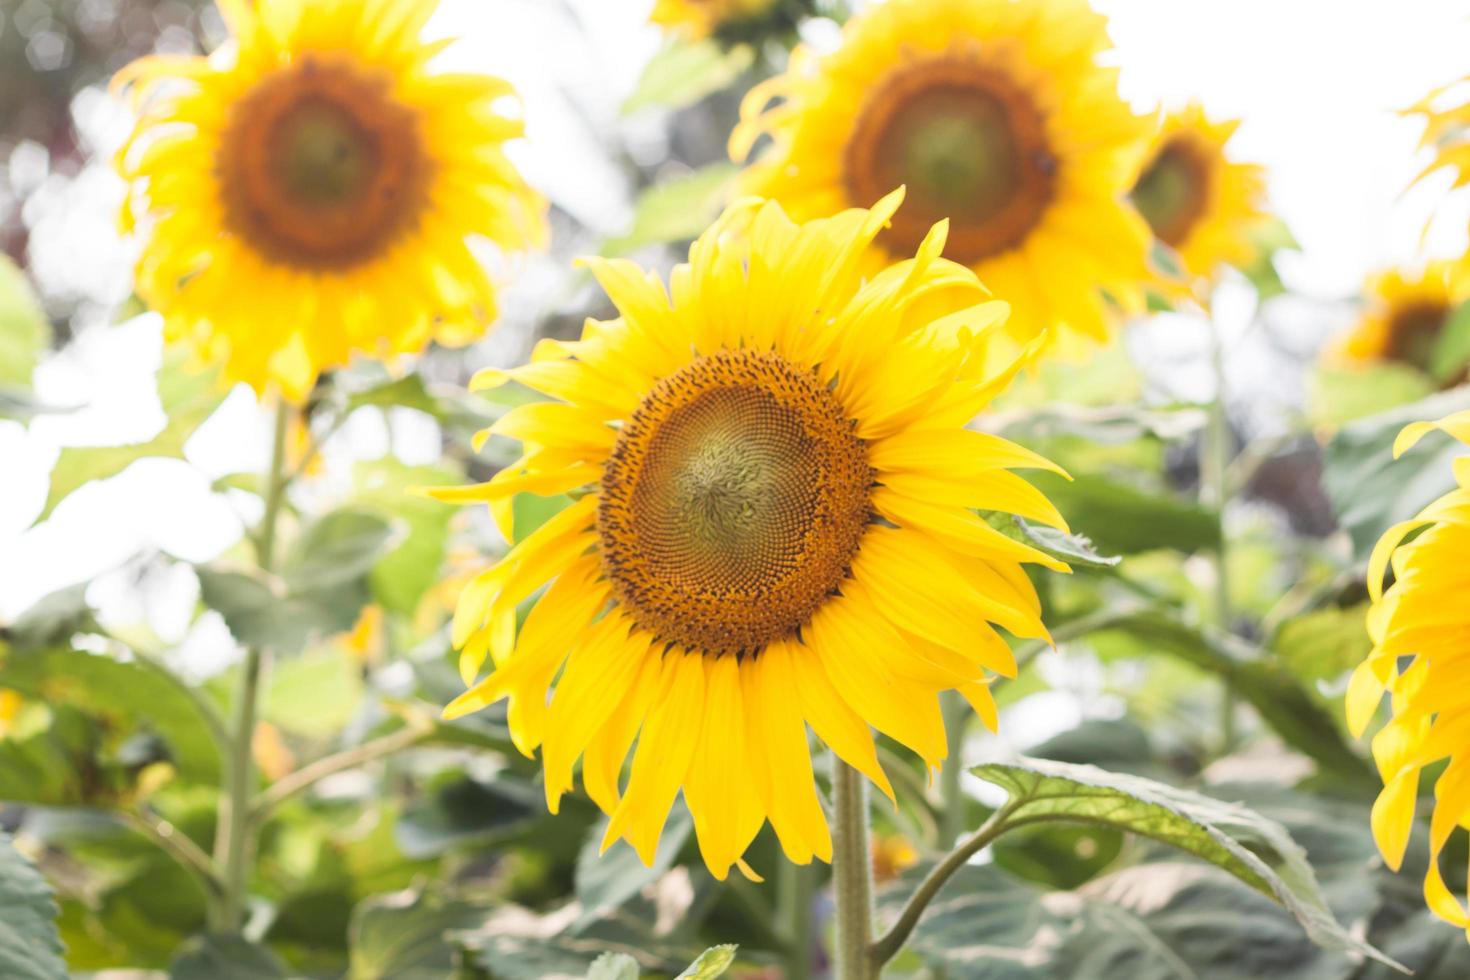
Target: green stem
[(885, 948), (951, 795), (1214, 487), (175, 843), (308, 776), (852, 873), (233, 840), (794, 911)]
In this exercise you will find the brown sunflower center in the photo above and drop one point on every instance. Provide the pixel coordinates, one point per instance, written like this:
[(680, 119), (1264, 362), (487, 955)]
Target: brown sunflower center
[(321, 167), (970, 145), (733, 503), (1173, 191), (1414, 331)]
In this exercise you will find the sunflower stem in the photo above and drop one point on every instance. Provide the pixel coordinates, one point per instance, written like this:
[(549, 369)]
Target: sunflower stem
[(794, 911), (1214, 465), (951, 793), (852, 874), (234, 838)]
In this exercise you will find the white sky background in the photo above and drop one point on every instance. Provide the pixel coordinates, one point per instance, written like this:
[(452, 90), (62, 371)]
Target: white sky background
[(1316, 82)]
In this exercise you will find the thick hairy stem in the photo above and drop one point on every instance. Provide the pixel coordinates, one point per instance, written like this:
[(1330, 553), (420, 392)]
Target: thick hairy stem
[(233, 840), (852, 873)]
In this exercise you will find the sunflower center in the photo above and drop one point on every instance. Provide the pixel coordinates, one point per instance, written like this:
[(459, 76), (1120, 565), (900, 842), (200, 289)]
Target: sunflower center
[(1173, 191), (1414, 331), (733, 503), (969, 143), (321, 167)]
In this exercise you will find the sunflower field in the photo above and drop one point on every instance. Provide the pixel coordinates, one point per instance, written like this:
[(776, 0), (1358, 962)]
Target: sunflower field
[(772, 489)]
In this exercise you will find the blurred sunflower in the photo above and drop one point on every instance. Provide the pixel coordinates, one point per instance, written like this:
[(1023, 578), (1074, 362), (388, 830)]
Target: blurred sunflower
[(1195, 198), (701, 18), (775, 527), (1418, 627), (1446, 131), (1404, 316), (312, 186), (11, 704), (994, 114)]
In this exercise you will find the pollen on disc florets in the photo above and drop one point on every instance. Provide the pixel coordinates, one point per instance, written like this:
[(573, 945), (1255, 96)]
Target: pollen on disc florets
[(733, 502), (320, 167), (967, 141)]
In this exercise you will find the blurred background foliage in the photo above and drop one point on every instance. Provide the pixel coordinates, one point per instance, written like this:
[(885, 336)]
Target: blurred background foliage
[(396, 845)]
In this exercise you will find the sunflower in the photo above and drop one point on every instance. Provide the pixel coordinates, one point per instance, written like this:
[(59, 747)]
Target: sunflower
[(311, 190), (1418, 627), (1195, 199), (994, 114), (775, 526), (1446, 131), (1404, 315), (701, 18)]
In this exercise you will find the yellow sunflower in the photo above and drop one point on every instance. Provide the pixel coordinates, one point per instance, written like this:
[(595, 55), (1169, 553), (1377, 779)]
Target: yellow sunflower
[(1420, 657), (311, 190), (701, 18), (996, 115), (1404, 315), (775, 527), (1446, 132), (1196, 199)]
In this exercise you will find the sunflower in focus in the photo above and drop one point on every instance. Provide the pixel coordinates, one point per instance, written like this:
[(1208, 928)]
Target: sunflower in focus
[(1195, 199), (1420, 658), (775, 527), (1404, 316), (1446, 131), (701, 18), (311, 190), (995, 115)]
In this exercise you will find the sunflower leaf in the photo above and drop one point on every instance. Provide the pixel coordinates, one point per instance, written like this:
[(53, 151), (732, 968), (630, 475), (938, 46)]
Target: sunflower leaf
[(1252, 848), (683, 72), (30, 947), (676, 210), (1074, 549)]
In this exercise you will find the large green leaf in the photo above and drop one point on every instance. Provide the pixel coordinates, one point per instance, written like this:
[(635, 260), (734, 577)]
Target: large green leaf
[(24, 330), (683, 72), (263, 612), (413, 563), (1122, 519), (458, 810), (404, 936), (1369, 489), (1075, 549), (606, 881), (676, 210), (1345, 394), (187, 399), (1281, 701), (336, 548), (30, 947), (127, 698), (225, 957), (1252, 848), (314, 695)]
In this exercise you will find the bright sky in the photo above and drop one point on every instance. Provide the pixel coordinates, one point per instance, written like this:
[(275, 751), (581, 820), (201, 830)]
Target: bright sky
[(1316, 82)]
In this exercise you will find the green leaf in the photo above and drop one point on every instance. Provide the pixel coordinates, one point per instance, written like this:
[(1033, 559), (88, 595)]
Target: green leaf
[(1369, 489), (614, 966), (676, 210), (606, 881), (712, 963), (1302, 722), (336, 548), (128, 698), (405, 392), (683, 72), (261, 614), (456, 810), (1123, 519), (187, 399), (1340, 394), (30, 946), (1074, 549), (225, 957), (25, 332), (1451, 352), (1324, 644), (404, 936), (314, 695), (412, 564), (1257, 851), (1269, 237), (53, 620)]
